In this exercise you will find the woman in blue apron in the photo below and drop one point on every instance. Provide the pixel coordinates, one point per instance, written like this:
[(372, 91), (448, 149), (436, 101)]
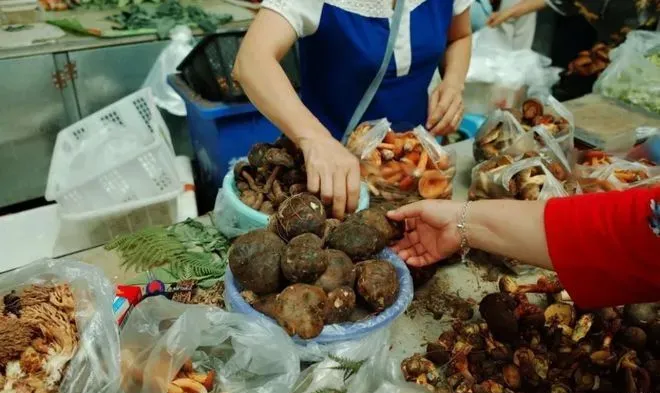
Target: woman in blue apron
[(342, 45)]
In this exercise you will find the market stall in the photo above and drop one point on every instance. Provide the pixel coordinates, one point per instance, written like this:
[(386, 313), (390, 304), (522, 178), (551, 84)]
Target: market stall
[(272, 293)]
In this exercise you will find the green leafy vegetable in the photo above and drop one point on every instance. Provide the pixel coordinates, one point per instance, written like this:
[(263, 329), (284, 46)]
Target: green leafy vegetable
[(187, 250), (167, 15)]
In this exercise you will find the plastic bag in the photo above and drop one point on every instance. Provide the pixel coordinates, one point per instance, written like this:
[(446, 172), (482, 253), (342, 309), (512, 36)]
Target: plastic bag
[(524, 179), (247, 354), (94, 367), (495, 62), (502, 134), (164, 96), (633, 75), (623, 174), (399, 166)]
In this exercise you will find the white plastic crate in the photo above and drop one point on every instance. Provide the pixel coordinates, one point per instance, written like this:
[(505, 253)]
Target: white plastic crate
[(94, 172)]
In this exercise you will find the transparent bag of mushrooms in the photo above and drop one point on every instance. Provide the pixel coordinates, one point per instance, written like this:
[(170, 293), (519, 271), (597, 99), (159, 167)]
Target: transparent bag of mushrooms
[(57, 329), (402, 166), (506, 131)]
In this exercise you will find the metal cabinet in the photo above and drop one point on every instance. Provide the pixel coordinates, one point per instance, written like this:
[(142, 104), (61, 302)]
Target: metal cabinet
[(40, 95), (105, 75), (32, 111)]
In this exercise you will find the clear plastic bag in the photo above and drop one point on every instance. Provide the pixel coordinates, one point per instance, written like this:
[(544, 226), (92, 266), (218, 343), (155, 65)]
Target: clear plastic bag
[(94, 367), (180, 46), (248, 354), (495, 63), (632, 76), (623, 174), (505, 177), (398, 166), (501, 134)]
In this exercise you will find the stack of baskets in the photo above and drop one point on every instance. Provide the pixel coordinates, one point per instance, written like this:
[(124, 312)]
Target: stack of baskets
[(114, 161)]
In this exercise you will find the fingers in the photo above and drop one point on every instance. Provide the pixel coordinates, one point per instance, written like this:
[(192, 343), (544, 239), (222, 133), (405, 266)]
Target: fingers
[(439, 111), (327, 188), (353, 189), (408, 211), (339, 194), (421, 260), (313, 179), (433, 103), (443, 126)]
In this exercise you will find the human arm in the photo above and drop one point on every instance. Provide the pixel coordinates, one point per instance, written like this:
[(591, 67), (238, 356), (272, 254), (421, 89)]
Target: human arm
[(331, 169), (601, 245), (523, 7), (446, 101)]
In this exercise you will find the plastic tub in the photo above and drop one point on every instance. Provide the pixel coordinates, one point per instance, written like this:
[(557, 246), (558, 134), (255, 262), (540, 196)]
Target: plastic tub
[(343, 331)]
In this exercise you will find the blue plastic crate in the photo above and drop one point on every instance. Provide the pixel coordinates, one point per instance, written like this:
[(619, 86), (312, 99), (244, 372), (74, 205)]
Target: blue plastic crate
[(220, 132)]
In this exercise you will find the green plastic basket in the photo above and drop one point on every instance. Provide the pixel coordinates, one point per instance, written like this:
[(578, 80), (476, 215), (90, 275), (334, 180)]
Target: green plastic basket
[(237, 218)]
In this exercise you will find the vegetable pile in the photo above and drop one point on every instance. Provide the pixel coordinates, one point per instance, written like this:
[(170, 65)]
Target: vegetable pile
[(38, 338), (396, 165), (188, 250), (522, 347), (272, 174), (307, 271), (166, 16)]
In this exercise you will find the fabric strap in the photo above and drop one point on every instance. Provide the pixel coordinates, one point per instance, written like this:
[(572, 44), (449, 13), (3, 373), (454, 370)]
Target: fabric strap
[(375, 83)]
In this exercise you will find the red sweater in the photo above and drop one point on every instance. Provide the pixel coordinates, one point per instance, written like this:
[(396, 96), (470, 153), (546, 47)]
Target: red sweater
[(604, 247)]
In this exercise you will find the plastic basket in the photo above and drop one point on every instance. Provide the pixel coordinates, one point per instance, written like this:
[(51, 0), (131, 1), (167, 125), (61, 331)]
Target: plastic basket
[(341, 331), (208, 67), (145, 174), (219, 132), (242, 218)]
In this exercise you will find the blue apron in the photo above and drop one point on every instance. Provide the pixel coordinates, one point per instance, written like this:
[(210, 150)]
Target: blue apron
[(339, 61)]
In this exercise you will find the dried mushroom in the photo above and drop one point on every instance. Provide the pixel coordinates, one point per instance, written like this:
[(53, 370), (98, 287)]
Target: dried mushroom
[(569, 351), (268, 177), (39, 337)]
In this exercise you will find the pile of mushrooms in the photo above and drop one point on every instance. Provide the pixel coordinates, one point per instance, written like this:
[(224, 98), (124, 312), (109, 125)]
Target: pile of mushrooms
[(400, 165), (624, 173), (526, 184), (496, 140), (522, 347), (272, 173), (590, 62)]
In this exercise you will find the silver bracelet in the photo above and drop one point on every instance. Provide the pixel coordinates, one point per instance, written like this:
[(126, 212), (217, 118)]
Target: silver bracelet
[(462, 231)]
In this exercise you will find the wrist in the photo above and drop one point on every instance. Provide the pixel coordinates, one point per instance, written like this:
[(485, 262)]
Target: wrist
[(311, 137)]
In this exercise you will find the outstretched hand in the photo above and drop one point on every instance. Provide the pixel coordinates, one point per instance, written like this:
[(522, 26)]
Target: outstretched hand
[(431, 232)]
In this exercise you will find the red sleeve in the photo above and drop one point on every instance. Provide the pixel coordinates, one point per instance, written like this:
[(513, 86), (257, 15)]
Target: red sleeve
[(604, 247)]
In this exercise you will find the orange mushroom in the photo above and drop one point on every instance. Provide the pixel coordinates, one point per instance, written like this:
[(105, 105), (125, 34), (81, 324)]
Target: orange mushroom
[(390, 137), (433, 184), (407, 183)]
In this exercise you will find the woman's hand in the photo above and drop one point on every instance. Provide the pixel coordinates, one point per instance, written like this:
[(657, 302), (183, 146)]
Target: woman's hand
[(445, 108), (431, 231), (497, 18), (334, 172)]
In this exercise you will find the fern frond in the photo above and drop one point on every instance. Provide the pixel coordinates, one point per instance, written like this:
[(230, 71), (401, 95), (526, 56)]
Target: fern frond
[(348, 366)]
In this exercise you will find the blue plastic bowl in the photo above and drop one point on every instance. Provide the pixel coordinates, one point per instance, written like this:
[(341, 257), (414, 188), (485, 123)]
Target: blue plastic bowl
[(246, 218), (341, 331)]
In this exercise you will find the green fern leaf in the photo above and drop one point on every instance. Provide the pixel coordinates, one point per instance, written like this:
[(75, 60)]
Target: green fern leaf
[(331, 390), (348, 366)]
